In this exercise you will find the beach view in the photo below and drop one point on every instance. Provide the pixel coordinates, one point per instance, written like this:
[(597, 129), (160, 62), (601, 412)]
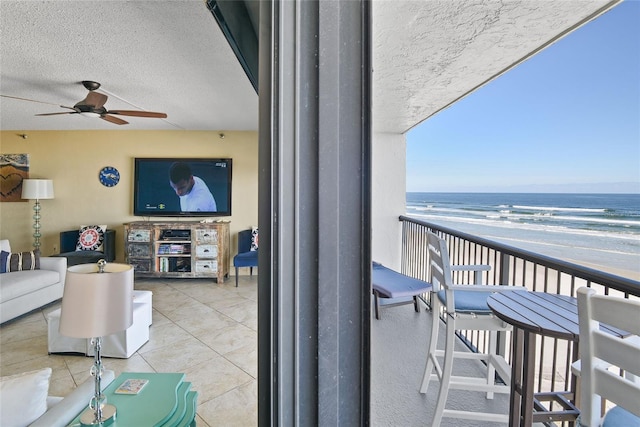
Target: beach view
[(598, 231), (547, 156), (601, 231)]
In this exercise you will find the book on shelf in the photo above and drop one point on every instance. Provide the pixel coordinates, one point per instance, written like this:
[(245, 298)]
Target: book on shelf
[(164, 264), (177, 249), (174, 249)]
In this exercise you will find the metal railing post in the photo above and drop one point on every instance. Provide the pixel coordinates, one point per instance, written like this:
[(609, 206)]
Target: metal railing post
[(503, 279)]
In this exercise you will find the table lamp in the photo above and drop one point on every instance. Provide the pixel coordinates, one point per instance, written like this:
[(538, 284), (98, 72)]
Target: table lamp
[(97, 301), (37, 189)]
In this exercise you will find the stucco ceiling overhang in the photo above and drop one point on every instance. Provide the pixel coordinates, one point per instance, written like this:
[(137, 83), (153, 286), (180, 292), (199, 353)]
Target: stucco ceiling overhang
[(429, 54), (170, 56)]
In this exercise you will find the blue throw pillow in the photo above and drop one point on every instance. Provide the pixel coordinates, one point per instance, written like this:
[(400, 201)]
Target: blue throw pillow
[(3, 261)]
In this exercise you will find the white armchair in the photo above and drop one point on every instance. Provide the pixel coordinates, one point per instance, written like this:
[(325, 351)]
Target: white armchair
[(602, 354)]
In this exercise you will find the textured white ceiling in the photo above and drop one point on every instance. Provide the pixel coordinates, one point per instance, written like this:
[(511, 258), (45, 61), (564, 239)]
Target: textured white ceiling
[(167, 56), (170, 56)]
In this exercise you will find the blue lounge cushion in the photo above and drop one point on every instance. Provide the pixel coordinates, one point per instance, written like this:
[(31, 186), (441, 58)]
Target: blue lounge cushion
[(391, 284), (620, 417), (468, 301)]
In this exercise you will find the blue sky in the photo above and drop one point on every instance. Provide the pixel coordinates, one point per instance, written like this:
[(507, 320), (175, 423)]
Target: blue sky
[(567, 120)]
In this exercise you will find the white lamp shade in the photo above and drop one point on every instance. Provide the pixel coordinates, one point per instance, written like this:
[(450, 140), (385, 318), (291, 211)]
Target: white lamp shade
[(97, 304), (37, 189)]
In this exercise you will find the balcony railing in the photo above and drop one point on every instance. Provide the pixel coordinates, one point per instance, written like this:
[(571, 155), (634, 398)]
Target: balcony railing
[(513, 267)]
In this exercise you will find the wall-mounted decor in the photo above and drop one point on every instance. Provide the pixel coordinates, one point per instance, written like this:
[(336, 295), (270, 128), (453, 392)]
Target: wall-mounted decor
[(14, 168), (109, 176)]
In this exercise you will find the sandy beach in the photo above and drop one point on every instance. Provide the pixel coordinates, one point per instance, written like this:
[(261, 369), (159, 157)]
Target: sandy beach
[(630, 274)]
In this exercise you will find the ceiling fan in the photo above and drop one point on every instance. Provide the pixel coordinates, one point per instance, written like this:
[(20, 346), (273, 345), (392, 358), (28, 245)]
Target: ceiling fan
[(93, 105)]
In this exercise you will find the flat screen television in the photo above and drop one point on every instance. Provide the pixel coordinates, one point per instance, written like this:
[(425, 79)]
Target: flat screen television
[(182, 187)]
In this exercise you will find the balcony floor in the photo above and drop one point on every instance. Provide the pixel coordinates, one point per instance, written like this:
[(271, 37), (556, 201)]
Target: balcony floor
[(398, 354)]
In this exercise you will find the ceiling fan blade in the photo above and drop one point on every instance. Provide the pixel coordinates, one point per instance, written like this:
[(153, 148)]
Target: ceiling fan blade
[(98, 99), (55, 114), (41, 102), (94, 99), (112, 119), (33, 100), (137, 113)]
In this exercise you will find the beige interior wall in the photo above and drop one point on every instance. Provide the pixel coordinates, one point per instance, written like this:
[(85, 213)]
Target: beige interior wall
[(72, 159)]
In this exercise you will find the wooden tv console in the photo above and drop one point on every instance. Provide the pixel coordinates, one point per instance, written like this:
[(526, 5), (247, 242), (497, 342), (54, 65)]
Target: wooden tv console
[(186, 249)]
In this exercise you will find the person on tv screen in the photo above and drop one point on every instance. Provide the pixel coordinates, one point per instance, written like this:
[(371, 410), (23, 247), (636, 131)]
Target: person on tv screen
[(193, 192)]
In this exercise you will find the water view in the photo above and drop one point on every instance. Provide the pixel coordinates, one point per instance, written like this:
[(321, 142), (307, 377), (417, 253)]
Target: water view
[(596, 230)]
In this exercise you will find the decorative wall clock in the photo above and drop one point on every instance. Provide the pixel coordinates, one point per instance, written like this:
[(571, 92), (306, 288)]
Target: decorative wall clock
[(109, 176)]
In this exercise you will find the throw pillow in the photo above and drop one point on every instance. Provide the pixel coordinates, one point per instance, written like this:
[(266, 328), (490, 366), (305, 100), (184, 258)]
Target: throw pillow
[(4, 255), (254, 238), (91, 238), (23, 397), (23, 261)]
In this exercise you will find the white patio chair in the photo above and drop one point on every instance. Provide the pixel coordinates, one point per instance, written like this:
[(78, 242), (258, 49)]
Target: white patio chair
[(600, 352), (465, 309)]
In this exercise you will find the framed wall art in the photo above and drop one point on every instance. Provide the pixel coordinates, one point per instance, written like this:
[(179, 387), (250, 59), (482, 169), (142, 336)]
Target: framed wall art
[(14, 168)]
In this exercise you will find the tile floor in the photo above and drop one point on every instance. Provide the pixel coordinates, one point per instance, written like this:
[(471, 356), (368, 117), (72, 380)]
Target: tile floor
[(209, 332), (206, 330)]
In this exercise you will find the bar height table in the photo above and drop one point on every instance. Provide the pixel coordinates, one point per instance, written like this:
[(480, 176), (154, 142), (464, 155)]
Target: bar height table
[(545, 314), (533, 313)]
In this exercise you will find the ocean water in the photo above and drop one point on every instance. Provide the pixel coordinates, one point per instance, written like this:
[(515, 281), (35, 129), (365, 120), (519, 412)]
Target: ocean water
[(590, 229)]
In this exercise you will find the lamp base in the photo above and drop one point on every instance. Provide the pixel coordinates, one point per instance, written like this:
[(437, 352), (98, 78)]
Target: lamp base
[(88, 417)]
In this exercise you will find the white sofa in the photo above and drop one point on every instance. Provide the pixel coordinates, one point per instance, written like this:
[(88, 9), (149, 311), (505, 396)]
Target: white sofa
[(25, 399), (64, 411), (27, 290)]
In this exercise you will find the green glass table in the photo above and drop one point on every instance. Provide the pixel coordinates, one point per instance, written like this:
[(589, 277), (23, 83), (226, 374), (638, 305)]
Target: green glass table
[(166, 400)]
